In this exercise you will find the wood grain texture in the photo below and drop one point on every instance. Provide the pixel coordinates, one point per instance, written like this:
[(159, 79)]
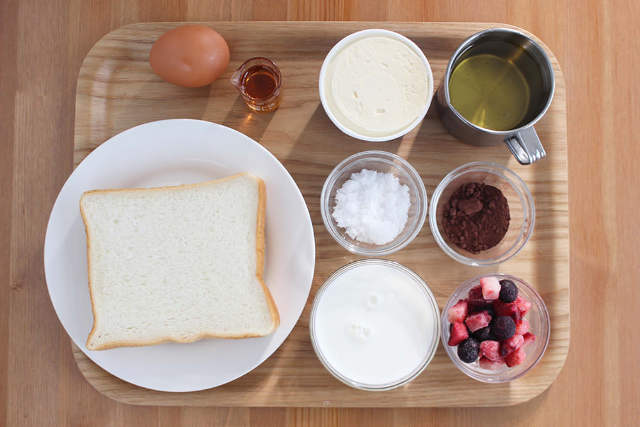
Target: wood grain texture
[(42, 47), (117, 90)]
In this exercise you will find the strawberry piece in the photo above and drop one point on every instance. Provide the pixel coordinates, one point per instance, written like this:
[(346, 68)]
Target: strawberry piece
[(475, 293), (478, 321), (528, 337), (515, 358), (522, 327), (523, 305), (510, 345), (490, 349), (490, 288), (458, 312), (492, 365), (457, 333), (507, 309)]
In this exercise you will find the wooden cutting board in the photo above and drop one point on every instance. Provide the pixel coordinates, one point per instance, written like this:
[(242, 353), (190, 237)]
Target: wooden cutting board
[(117, 90)]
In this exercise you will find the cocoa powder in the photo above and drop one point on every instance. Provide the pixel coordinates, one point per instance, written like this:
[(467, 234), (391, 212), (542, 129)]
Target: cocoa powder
[(476, 217)]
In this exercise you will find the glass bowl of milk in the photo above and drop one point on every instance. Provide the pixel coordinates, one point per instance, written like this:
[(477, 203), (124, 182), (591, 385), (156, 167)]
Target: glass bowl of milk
[(375, 325), (375, 85)]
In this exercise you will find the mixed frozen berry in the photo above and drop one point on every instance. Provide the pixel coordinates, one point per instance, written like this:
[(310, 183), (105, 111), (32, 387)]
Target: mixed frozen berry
[(468, 350), (508, 291), (503, 327), (489, 325), (483, 334)]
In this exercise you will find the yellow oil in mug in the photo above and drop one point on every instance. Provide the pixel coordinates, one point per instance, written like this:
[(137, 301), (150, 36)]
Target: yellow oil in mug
[(490, 90)]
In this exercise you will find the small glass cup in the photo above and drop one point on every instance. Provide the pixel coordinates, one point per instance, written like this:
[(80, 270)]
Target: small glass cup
[(258, 80)]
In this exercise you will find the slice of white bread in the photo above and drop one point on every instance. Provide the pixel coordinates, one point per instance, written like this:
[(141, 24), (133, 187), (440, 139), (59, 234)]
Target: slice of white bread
[(177, 263)]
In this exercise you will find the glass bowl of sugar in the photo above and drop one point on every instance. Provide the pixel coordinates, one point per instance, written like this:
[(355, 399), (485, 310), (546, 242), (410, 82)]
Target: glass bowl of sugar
[(373, 203)]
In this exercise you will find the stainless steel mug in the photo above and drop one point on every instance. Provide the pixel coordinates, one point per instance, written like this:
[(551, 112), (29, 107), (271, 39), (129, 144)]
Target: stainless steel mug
[(523, 140)]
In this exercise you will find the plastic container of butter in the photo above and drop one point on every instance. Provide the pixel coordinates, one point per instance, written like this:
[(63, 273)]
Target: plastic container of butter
[(376, 85)]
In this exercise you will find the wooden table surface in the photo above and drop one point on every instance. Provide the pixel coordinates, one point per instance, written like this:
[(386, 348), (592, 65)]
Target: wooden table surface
[(42, 44)]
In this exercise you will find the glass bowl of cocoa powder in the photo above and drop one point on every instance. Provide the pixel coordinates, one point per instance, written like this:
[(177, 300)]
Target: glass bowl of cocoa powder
[(481, 214)]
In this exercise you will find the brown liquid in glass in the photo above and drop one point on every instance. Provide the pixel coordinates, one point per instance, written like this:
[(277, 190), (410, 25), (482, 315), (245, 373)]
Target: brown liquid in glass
[(259, 82)]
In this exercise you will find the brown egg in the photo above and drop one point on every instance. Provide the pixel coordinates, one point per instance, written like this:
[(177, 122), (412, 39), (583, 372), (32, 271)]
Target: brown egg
[(190, 56)]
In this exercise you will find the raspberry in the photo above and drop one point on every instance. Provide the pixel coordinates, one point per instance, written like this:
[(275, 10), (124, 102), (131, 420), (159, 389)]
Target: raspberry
[(476, 306)]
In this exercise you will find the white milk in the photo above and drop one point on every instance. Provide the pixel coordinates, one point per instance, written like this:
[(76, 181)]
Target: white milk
[(375, 324)]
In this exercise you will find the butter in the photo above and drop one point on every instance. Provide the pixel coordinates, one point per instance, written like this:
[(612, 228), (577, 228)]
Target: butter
[(377, 86)]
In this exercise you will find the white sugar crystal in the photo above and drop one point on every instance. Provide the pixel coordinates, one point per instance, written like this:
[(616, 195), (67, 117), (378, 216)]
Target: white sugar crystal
[(372, 206)]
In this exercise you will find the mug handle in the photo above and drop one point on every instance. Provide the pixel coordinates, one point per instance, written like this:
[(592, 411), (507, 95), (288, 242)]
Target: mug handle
[(526, 146)]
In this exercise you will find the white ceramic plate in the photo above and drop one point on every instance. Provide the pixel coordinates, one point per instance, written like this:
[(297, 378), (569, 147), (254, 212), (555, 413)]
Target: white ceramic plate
[(173, 152)]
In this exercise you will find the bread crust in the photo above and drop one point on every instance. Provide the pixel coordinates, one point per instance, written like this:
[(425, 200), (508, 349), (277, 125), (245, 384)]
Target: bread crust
[(260, 246), (260, 253)]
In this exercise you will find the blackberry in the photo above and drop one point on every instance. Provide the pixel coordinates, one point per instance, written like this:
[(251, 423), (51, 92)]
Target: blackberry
[(468, 350), (503, 327), (483, 334), (508, 291)]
